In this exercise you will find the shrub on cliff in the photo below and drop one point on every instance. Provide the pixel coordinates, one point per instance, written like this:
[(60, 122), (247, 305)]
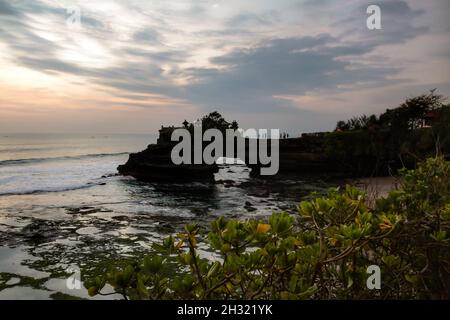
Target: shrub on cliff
[(213, 120), (417, 128), (414, 113), (323, 253)]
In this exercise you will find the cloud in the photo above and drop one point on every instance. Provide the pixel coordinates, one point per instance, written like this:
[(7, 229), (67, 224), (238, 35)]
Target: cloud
[(160, 55), (398, 21), (249, 78), (281, 67), (7, 9), (251, 19), (235, 56), (147, 36)]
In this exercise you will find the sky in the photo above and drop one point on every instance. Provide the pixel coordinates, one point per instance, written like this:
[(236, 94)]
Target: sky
[(131, 66)]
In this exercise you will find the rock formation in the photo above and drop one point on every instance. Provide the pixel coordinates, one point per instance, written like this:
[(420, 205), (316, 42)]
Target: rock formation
[(155, 164)]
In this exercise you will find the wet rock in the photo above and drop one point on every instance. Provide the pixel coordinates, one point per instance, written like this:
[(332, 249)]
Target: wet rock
[(249, 206), (226, 183), (12, 281), (40, 231), (120, 218), (88, 230), (86, 210), (154, 164), (109, 175), (284, 207), (82, 210), (200, 211), (165, 227)]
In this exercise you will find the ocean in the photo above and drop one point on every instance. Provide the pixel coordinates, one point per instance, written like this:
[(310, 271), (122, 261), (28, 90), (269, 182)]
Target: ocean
[(62, 205)]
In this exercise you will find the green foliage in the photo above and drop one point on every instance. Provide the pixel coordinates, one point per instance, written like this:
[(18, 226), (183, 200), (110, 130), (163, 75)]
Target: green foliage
[(213, 120), (412, 114), (400, 137), (357, 123), (322, 253), (423, 238)]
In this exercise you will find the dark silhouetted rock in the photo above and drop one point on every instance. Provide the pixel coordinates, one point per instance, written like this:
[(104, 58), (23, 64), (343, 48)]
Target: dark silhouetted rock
[(155, 164)]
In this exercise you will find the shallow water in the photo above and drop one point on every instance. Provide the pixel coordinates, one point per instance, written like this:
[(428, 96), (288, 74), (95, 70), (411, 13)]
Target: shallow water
[(61, 205)]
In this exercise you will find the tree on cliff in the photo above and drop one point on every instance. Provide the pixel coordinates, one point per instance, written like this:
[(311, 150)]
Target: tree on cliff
[(214, 120), (414, 113), (357, 123), (399, 137), (440, 127)]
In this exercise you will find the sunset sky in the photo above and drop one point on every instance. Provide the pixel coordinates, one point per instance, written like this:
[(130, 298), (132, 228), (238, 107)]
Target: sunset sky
[(294, 65)]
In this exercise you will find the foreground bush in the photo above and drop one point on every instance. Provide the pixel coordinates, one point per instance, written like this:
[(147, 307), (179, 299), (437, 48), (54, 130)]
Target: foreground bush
[(323, 253)]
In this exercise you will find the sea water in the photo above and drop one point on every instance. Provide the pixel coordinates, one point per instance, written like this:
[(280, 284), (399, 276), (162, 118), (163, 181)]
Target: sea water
[(63, 204)]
